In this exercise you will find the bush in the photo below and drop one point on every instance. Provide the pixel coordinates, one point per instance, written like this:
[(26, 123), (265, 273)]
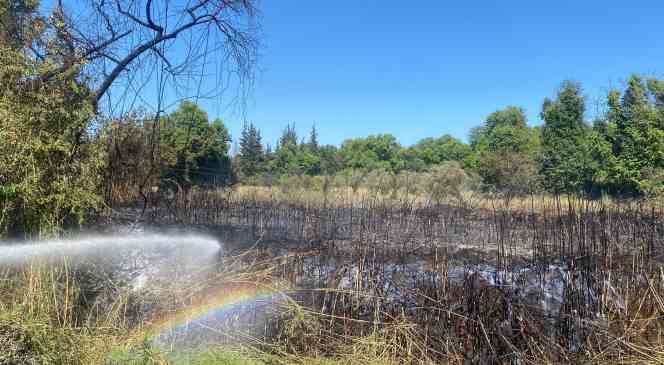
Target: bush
[(295, 184), (447, 181), (653, 182), (509, 174), (48, 163)]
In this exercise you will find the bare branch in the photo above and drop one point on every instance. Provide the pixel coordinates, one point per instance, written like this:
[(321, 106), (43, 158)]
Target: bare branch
[(130, 15), (161, 55), (148, 14), (127, 34), (139, 51)]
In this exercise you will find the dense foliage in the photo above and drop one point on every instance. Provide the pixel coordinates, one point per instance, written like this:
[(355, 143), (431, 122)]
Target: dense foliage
[(184, 149), (621, 153), (630, 139), (49, 170), (199, 148)]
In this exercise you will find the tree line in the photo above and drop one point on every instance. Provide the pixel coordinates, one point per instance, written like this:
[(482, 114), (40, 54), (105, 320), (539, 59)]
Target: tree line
[(621, 153)]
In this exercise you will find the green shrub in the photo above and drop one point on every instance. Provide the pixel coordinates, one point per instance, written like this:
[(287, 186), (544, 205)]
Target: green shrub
[(50, 169)]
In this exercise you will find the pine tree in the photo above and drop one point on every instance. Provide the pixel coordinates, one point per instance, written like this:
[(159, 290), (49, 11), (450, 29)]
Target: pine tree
[(288, 137), (251, 151), (256, 143), (313, 139), (245, 150)]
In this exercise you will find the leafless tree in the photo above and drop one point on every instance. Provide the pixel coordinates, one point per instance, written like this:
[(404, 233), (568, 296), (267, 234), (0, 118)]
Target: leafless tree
[(147, 41)]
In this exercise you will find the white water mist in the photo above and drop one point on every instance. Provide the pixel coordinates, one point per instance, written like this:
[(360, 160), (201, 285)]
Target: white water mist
[(190, 246), (140, 260)]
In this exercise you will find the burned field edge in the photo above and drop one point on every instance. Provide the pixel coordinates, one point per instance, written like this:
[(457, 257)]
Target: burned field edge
[(571, 280)]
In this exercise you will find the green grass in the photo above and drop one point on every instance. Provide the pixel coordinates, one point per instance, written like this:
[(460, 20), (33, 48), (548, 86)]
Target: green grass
[(220, 357), (146, 354)]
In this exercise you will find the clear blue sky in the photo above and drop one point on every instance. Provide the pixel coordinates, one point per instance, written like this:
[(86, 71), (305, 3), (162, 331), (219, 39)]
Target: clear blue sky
[(426, 68)]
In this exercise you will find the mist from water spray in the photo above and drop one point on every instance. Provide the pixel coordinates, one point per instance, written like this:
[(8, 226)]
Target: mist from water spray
[(138, 260), (190, 246), (173, 279)]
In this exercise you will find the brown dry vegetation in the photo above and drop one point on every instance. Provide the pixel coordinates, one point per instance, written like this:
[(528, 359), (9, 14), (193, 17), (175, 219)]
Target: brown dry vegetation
[(370, 270), (371, 280)]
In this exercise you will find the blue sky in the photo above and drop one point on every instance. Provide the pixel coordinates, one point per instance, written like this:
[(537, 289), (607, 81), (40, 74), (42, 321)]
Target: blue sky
[(426, 68)]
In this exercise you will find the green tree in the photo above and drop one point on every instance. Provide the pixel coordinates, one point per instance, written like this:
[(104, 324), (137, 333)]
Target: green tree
[(412, 159), (508, 173), (510, 116), (288, 137), (433, 151), (330, 160), (565, 160), (312, 144), (603, 160), (504, 152), (634, 127), (291, 158), (49, 166), (252, 157), (375, 152), (215, 165), (200, 148)]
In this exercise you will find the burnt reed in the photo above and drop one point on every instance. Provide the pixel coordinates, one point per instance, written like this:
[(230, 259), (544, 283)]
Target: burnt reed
[(555, 279)]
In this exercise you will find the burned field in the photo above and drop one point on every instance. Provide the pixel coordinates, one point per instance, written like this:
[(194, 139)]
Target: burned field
[(571, 280)]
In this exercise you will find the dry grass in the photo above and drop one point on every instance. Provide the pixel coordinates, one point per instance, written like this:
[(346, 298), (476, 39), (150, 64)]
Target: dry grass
[(450, 323), (343, 196), (41, 319), (39, 322)]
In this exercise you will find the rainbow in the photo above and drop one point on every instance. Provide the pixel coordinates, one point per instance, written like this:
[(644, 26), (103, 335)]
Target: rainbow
[(229, 314)]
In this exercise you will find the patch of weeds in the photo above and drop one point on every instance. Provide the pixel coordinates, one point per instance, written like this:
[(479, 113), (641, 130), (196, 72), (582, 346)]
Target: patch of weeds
[(146, 354), (35, 342)]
